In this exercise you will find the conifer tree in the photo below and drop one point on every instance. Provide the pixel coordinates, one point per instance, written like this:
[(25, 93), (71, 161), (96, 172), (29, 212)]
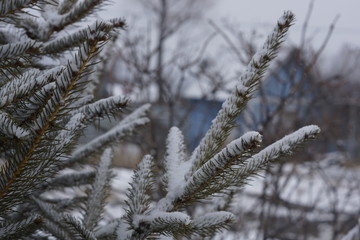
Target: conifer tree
[(47, 83)]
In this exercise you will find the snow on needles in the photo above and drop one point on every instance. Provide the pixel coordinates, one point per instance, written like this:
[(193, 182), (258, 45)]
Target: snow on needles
[(174, 160), (283, 146), (241, 94)]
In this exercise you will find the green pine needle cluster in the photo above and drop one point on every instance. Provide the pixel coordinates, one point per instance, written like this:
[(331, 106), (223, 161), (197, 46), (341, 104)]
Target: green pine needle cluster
[(47, 83)]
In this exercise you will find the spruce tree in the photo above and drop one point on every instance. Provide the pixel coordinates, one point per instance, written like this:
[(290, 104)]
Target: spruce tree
[(49, 71)]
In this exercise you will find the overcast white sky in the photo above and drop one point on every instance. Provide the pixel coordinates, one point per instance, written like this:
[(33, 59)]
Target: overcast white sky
[(263, 13), (347, 29)]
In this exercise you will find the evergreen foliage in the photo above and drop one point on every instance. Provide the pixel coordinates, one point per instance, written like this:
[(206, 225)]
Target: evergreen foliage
[(47, 79)]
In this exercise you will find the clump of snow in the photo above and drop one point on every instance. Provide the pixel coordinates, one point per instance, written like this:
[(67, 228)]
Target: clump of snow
[(283, 20), (214, 218), (237, 145)]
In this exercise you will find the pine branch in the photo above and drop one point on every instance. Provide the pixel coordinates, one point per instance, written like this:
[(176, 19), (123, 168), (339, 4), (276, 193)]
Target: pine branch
[(102, 108), (140, 187), (20, 178), (280, 148), (10, 128), (70, 180), (174, 158), (66, 5), (124, 128), (138, 195), (231, 108), (100, 69), (77, 13), (159, 222), (70, 204), (23, 165), (211, 223), (25, 86), (15, 50), (75, 39), (99, 191), (109, 231), (63, 226), (18, 230), (42, 114), (211, 177), (11, 8), (15, 56), (27, 110), (82, 233), (53, 221)]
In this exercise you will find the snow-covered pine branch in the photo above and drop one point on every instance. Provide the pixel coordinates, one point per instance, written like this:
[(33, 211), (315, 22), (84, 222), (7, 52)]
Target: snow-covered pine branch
[(174, 159), (280, 148), (216, 175), (79, 11), (15, 50), (102, 108), (51, 221), (73, 40), (26, 85), (99, 191), (44, 105), (81, 230), (211, 223), (123, 128), (54, 19), (65, 6), (15, 230), (174, 223), (10, 128), (63, 225), (70, 180), (10, 9), (233, 105), (138, 196)]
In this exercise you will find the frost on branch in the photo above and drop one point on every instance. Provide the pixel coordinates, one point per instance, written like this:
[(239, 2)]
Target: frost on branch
[(241, 94), (44, 106), (122, 129), (139, 198), (284, 146), (99, 191), (10, 128), (174, 160)]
